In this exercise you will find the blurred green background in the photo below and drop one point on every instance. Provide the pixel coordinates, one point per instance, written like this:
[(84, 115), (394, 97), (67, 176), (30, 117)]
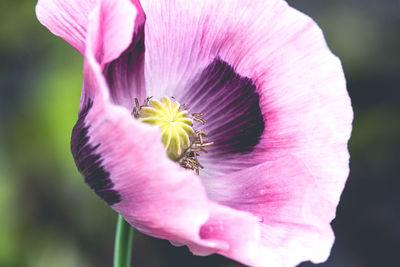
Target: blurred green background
[(49, 217)]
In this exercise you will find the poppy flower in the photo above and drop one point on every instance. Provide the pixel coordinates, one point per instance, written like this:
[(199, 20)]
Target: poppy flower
[(250, 82)]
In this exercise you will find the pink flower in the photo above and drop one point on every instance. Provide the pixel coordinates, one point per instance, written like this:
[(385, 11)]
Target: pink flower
[(277, 109)]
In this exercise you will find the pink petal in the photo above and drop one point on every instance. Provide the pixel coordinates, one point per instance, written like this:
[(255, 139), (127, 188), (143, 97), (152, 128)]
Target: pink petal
[(303, 99), (125, 74), (117, 25), (69, 20), (240, 230), (129, 168), (293, 212), (184, 37), (115, 28), (301, 84), (140, 182)]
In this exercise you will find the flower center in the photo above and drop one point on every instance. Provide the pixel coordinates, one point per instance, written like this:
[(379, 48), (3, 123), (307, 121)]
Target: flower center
[(176, 126), (181, 140)]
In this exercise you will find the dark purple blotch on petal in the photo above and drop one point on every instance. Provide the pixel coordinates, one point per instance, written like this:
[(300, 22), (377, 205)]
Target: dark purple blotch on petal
[(89, 162), (231, 104), (125, 75)]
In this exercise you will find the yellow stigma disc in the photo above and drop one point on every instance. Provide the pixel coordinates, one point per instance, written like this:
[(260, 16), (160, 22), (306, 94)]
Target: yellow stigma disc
[(176, 126)]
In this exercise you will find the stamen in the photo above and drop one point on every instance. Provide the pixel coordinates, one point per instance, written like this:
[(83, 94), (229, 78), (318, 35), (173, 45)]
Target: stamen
[(199, 118), (189, 160)]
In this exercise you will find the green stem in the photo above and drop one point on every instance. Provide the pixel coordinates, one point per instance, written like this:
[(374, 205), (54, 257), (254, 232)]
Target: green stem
[(123, 243)]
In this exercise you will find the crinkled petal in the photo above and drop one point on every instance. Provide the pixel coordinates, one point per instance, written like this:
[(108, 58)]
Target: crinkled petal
[(302, 97), (116, 29), (69, 20), (293, 213), (117, 25), (240, 230), (125, 74)]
